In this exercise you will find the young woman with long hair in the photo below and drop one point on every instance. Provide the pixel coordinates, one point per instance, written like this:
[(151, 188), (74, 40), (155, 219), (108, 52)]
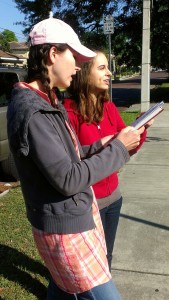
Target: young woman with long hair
[(93, 116)]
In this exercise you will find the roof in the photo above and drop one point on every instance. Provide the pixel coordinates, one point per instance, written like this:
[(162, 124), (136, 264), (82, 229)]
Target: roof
[(19, 46), (8, 55)]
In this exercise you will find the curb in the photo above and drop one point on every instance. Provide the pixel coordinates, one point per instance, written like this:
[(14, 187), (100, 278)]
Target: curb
[(4, 193), (7, 186)]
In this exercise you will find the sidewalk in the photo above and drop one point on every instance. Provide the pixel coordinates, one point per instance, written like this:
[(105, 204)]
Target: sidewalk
[(140, 265)]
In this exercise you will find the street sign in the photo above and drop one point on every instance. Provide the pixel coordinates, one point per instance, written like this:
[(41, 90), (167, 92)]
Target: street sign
[(108, 24)]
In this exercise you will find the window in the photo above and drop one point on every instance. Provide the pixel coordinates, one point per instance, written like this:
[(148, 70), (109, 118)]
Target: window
[(7, 80)]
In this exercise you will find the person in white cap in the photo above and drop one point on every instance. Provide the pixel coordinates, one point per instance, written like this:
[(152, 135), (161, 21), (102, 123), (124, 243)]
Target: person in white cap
[(56, 173)]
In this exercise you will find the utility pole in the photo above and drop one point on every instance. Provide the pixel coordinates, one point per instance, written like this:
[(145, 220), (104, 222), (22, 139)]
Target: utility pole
[(110, 68), (145, 68), (109, 29)]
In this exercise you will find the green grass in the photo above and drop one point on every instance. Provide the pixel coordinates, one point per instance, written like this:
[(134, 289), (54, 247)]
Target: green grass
[(24, 276), (128, 117)]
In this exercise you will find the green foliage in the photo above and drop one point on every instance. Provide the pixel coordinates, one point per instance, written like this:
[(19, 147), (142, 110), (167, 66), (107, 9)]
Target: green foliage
[(6, 36), (86, 17), (4, 45), (9, 35), (160, 34)]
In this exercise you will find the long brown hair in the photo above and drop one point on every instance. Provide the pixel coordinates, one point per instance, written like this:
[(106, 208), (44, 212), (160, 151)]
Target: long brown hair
[(81, 95), (37, 66)]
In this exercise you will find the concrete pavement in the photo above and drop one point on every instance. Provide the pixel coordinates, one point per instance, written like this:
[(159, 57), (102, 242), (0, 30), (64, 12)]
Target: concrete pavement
[(140, 266)]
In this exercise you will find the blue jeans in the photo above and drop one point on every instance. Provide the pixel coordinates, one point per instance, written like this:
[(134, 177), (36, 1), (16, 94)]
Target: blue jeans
[(110, 218), (106, 291)]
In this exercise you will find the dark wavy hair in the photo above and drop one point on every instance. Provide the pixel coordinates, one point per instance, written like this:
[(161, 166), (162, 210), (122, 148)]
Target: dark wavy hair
[(80, 91), (37, 65)]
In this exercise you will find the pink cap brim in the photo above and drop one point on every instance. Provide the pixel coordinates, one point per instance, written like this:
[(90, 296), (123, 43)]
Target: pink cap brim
[(84, 53)]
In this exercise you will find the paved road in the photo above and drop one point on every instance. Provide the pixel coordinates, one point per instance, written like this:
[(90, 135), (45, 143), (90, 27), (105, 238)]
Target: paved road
[(128, 92)]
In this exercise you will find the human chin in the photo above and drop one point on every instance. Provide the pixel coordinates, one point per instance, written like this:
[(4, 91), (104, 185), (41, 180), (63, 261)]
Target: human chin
[(64, 82), (105, 86), (67, 83)]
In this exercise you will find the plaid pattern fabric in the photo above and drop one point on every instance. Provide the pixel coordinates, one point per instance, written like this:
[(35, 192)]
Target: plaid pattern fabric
[(77, 262)]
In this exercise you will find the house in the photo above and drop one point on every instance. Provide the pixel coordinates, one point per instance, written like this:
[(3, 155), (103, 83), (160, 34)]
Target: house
[(20, 49), (9, 59), (17, 56)]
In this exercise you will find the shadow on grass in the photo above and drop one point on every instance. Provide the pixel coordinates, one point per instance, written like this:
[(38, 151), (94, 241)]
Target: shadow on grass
[(160, 94), (16, 266)]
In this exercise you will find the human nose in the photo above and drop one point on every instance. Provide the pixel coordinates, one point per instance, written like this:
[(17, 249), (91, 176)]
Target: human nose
[(77, 68), (109, 73)]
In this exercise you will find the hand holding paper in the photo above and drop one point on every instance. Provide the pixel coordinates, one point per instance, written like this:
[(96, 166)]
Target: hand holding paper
[(129, 137), (150, 114)]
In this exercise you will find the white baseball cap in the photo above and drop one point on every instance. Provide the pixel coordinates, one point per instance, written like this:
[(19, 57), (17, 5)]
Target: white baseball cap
[(52, 31)]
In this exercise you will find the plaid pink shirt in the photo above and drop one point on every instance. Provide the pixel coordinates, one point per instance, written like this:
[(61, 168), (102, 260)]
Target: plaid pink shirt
[(77, 262)]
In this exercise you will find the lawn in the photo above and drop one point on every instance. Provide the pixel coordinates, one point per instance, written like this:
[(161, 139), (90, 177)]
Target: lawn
[(129, 117), (23, 274)]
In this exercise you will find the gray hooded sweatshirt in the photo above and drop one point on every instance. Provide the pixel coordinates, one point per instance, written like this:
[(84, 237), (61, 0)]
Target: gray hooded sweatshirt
[(54, 181)]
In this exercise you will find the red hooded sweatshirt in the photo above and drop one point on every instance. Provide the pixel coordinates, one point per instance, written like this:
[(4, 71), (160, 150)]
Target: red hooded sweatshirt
[(111, 123)]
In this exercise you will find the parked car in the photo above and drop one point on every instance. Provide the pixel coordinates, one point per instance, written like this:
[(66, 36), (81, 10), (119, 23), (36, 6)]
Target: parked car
[(8, 77)]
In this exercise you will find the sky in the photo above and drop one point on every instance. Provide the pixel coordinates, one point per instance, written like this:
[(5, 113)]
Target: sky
[(9, 15)]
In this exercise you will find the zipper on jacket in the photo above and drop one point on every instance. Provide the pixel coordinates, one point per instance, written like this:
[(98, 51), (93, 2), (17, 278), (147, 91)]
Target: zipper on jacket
[(107, 179), (99, 129)]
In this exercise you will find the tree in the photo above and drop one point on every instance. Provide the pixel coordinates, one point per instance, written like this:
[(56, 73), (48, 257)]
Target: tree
[(9, 36), (81, 15), (6, 36), (86, 17), (160, 34)]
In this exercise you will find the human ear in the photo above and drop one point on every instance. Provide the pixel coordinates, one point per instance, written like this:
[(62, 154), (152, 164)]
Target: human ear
[(52, 54)]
